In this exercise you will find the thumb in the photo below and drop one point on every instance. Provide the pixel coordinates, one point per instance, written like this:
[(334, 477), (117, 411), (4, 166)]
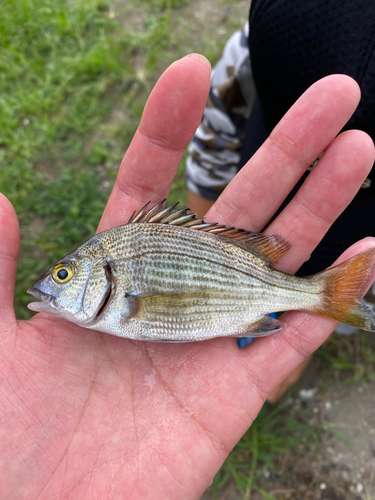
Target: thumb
[(9, 248)]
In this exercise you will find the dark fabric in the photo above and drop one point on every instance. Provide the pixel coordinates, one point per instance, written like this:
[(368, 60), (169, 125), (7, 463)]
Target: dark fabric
[(255, 133), (355, 223), (293, 44)]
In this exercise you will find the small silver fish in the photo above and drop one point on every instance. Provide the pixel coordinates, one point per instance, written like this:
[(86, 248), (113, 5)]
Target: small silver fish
[(168, 276)]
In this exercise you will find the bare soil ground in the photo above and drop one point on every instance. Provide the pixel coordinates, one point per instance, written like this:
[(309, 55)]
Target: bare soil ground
[(343, 468)]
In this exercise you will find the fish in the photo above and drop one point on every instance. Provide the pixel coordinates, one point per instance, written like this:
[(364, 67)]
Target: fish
[(169, 276)]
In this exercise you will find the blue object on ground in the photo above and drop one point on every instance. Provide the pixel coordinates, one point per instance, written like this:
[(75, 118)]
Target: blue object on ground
[(244, 341)]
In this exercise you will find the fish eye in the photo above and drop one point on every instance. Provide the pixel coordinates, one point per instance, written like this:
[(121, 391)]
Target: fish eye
[(62, 273)]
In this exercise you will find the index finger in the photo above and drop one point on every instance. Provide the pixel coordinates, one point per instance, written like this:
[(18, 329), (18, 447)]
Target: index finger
[(170, 118)]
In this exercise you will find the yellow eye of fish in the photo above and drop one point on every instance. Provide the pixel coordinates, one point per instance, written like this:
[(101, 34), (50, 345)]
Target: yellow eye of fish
[(62, 273)]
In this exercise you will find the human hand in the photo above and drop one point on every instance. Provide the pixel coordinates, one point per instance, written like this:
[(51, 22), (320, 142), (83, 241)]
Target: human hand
[(88, 415)]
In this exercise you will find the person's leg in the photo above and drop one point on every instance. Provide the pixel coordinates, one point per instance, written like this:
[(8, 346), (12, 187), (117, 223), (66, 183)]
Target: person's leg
[(214, 153)]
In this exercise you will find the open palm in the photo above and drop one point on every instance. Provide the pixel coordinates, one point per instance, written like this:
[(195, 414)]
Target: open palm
[(88, 415)]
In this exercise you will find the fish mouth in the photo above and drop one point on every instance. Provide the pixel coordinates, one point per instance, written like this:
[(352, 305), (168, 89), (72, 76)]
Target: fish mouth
[(46, 298)]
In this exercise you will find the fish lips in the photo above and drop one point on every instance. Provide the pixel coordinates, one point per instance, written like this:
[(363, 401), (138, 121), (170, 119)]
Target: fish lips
[(47, 299)]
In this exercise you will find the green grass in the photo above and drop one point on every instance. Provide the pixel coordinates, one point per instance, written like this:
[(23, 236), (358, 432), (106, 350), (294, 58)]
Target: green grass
[(64, 66)]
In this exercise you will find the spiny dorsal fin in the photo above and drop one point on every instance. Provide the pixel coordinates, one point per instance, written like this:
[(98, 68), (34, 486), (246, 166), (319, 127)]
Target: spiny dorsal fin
[(268, 248)]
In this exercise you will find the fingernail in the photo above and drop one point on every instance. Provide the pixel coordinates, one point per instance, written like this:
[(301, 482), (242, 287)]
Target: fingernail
[(200, 58)]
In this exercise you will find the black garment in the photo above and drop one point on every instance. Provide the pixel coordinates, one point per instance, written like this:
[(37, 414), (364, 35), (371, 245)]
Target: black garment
[(292, 45)]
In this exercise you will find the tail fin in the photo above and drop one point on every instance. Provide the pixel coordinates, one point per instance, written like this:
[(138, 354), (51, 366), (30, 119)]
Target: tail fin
[(344, 287)]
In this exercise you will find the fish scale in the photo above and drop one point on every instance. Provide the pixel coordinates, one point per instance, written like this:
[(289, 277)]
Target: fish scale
[(167, 276)]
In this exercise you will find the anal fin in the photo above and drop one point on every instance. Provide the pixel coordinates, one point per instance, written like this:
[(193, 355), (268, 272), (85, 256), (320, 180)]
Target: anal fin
[(262, 328)]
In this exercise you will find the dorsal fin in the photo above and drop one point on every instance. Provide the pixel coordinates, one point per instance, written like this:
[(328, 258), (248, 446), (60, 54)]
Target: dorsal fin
[(268, 248)]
